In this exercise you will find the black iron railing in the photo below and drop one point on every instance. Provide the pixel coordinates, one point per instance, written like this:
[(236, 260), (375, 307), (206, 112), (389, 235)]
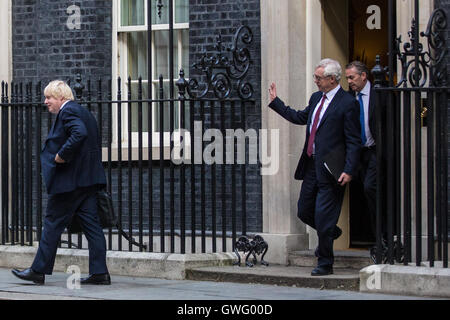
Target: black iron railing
[(414, 111)]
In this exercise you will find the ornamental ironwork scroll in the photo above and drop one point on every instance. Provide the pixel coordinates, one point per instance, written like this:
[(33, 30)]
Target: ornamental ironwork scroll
[(225, 71), (431, 64), (437, 49), (160, 5)]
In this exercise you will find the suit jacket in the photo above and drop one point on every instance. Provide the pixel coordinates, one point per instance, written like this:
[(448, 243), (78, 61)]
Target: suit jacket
[(74, 136), (372, 115), (339, 129)]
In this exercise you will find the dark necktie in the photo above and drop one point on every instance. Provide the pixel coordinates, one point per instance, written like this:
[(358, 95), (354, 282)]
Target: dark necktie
[(361, 119), (312, 135)]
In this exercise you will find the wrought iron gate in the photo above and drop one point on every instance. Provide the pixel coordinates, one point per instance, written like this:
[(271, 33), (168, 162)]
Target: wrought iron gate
[(414, 148)]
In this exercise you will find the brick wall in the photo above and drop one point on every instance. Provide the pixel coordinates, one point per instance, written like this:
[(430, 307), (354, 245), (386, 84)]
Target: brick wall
[(45, 48), (208, 18)]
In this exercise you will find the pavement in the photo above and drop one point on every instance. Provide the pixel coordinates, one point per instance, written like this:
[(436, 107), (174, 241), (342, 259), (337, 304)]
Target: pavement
[(62, 286)]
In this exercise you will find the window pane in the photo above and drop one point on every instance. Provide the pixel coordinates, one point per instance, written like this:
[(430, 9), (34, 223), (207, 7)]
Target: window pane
[(185, 51), (137, 55), (161, 39), (132, 13), (181, 11), (161, 54), (166, 110), (135, 108), (156, 108), (164, 12)]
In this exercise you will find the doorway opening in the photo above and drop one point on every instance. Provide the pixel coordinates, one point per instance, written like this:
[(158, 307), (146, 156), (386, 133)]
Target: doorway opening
[(356, 30), (368, 37)]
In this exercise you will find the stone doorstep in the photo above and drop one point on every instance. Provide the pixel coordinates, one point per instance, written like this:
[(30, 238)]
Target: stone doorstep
[(343, 259), (343, 279)]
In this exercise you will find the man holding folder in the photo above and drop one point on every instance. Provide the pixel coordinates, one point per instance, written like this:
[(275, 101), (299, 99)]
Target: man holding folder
[(332, 128)]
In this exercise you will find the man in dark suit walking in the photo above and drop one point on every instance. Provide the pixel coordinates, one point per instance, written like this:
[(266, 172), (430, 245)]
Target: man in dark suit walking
[(357, 76), (73, 173), (332, 119)]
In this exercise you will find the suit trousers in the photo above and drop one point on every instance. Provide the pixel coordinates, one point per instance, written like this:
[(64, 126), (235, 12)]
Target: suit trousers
[(319, 206), (368, 177), (60, 210)]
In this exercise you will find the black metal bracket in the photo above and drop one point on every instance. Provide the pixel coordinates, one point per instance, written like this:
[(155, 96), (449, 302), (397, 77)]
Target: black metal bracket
[(397, 247), (256, 246)]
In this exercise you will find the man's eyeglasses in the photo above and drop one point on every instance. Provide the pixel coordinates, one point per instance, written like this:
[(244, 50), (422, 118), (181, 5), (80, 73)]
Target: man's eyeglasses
[(318, 78)]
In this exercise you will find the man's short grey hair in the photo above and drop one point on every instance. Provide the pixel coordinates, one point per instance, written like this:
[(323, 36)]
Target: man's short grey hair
[(359, 66), (331, 68)]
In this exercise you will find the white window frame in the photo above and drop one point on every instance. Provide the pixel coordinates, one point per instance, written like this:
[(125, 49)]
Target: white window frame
[(6, 38), (119, 49)]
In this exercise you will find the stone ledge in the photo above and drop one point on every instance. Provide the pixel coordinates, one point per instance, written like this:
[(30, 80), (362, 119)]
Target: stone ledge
[(278, 275), (406, 280), (140, 264)]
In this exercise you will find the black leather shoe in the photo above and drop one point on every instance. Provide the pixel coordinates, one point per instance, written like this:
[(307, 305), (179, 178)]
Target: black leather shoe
[(322, 271), (29, 275), (337, 233), (103, 278)]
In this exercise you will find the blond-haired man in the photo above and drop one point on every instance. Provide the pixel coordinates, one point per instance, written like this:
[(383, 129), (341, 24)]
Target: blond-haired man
[(73, 172)]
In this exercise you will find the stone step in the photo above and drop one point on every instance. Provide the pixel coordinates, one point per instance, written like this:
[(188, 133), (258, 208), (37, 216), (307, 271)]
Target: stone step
[(343, 259), (342, 279)]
